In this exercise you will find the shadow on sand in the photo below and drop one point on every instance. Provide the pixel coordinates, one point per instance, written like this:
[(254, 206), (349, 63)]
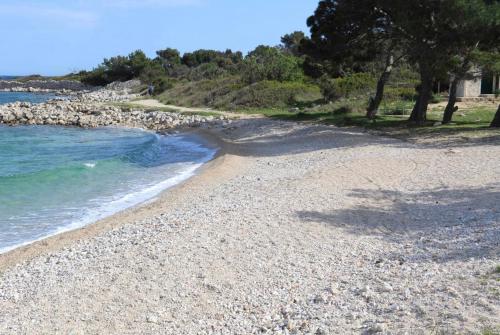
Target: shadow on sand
[(460, 223), (288, 138)]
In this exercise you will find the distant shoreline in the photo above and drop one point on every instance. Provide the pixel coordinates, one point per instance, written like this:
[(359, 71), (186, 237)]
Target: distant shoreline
[(42, 85)]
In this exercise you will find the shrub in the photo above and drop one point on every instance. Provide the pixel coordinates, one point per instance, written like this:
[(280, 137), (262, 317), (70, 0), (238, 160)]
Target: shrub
[(268, 63), (206, 71), (121, 68), (230, 92), (436, 98), (222, 59), (400, 93), (345, 87), (273, 94), (342, 110), (162, 84)]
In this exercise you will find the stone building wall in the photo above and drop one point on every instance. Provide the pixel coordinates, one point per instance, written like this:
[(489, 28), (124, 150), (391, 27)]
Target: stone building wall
[(469, 88)]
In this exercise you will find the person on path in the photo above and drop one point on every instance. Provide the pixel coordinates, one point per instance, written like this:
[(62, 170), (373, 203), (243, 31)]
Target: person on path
[(151, 89)]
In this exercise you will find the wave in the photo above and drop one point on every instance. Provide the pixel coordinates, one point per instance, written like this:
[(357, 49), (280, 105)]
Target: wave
[(118, 205), (36, 204)]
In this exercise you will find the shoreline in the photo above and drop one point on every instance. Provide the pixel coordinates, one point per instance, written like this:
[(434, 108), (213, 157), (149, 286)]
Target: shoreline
[(53, 242), (298, 228)]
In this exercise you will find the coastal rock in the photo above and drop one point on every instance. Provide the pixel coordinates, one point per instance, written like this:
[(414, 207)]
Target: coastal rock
[(91, 108), (86, 112), (64, 86)]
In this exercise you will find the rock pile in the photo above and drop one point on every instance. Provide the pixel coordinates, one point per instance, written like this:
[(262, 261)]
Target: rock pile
[(89, 115), (104, 95), (87, 109), (42, 86)]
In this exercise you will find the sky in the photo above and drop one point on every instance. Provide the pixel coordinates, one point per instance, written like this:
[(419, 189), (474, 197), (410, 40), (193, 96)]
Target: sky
[(55, 37)]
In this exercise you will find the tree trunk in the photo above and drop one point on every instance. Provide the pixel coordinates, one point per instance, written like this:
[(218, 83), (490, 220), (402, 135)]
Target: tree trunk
[(496, 119), (372, 109), (452, 99), (419, 113)]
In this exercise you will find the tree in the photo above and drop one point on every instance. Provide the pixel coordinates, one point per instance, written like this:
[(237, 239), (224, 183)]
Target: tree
[(462, 72), (435, 31), (496, 120), (270, 63), (291, 42), (347, 33), (169, 57), (120, 68), (490, 61), (137, 62), (476, 31)]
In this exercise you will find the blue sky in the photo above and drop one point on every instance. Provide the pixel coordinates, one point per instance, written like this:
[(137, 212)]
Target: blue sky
[(52, 37)]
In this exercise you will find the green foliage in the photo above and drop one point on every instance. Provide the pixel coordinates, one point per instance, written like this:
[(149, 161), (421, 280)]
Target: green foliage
[(231, 93), (206, 71), (96, 77), (268, 63), (404, 75), (345, 35), (169, 57), (400, 93), (345, 87), (292, 42), (275, 94), (491, 331), (119, 68), (222, 59)]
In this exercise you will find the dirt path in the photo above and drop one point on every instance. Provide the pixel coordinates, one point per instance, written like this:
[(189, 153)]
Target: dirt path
[(152, 103)]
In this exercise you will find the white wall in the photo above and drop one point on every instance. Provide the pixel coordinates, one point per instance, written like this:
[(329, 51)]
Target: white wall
[(469, 88)]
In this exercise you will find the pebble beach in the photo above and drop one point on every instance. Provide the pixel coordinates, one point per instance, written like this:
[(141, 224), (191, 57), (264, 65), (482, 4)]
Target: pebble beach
[(292, 229)]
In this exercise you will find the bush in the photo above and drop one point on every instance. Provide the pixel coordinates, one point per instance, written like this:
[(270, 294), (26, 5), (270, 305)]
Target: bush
[(230, 92), (436, 98), (342, 110), (222, 59), (274, 94), (161, 84), (121, 68), (400, 93), (345, 87), (206, 71), (268, 63)]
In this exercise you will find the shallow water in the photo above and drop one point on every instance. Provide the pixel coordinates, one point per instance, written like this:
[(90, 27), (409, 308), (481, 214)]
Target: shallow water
[(8, 97), (54, 179)]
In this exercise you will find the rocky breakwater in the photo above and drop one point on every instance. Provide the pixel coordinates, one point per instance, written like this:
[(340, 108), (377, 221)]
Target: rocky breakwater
[(89, 115), (62, 86)]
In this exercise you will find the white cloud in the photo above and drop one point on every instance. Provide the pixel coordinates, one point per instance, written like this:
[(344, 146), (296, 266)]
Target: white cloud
[(66, 16)]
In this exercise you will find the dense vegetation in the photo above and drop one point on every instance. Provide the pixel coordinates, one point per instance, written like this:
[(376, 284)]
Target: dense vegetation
[(379, 52)]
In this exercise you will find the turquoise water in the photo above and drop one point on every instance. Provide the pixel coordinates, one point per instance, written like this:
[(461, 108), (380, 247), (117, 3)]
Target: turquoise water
[(35, 98), (54, 179)]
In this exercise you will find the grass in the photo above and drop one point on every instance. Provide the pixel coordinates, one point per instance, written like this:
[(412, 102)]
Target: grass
[(392, 119), (491, 331), (302, 103), (231, 93)]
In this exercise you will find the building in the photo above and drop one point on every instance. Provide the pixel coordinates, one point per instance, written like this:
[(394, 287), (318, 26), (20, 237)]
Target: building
[(485, 85)]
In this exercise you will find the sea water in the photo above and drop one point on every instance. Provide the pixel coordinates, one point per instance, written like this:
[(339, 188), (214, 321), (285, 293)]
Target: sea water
[(35, 98), (55, 179)]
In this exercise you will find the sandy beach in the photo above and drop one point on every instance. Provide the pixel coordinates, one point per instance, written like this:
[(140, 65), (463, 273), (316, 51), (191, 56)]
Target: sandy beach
[(292, 229)]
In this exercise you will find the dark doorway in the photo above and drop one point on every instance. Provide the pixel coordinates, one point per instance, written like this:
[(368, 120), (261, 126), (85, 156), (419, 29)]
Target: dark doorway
[(487, 84)]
